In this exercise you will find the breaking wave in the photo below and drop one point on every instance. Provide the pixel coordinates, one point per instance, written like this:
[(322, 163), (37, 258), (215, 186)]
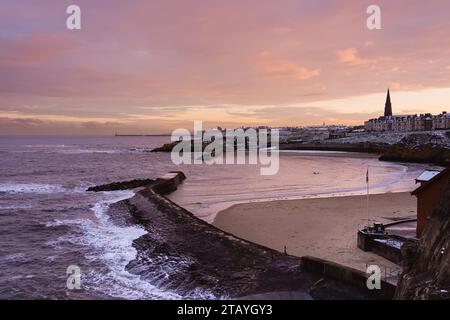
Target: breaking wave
[(112, 246), (14, 188)]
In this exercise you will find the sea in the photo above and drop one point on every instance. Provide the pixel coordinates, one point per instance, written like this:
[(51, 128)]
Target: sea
[(49, 222)]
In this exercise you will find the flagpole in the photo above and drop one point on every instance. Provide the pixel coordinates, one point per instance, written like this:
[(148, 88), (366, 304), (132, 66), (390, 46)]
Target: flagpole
[(367, 202)]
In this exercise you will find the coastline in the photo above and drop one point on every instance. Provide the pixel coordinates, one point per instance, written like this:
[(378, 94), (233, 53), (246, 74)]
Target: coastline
[(186, 255), (431, 147), (321, 227)]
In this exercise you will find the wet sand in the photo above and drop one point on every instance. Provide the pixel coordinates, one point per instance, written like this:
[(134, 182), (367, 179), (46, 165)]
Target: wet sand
[(324, 228)]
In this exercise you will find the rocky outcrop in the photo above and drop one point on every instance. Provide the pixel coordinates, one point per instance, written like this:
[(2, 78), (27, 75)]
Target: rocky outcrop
[(421, 147), (426, 266), (163, 185), (123, 185), (167, 147), (168, 183), (329, 146)]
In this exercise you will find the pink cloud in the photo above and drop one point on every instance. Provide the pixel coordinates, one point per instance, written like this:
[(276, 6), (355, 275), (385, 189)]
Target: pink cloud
[(282, 68), (183, 53), (350, 56)]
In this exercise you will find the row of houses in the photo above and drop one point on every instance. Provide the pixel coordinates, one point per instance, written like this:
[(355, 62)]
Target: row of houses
[(312, 133), (406, 123)]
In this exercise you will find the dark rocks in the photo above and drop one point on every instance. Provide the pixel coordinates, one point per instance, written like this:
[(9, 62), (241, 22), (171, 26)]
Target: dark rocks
[(169, 146), (169, 182), (421, 148), (425, 147), (345, 147), (166, 147), (426, 273), (163, 185), (124, 185)]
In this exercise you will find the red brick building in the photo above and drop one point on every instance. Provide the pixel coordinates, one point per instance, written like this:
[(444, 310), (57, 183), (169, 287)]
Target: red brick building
[(428, 196)]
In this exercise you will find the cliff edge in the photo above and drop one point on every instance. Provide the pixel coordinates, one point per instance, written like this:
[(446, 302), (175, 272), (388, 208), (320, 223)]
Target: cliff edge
[(421, 147), (426, 273)]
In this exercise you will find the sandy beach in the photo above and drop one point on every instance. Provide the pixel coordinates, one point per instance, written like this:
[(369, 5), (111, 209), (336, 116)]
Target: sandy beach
[(324, 227)]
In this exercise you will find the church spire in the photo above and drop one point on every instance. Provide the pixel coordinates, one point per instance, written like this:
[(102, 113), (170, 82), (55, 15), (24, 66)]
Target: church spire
[(388, 106)]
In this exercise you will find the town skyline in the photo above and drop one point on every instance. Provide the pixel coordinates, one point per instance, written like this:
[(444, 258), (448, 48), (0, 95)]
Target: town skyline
[(150, 67)]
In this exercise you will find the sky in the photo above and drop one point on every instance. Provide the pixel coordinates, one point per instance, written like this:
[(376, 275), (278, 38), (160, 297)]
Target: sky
[(153, 66)]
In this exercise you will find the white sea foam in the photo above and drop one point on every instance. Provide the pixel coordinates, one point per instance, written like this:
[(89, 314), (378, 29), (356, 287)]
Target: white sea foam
[(15, 207), (45, 146), (55, 223), (84, 151), (112, 245), (13, 257), (30, 188)]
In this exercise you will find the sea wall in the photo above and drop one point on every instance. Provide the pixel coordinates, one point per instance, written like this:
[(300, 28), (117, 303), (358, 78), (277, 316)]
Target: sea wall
[(202, 258), (346, 147), (125, 185), (347, 275), (182, 253)]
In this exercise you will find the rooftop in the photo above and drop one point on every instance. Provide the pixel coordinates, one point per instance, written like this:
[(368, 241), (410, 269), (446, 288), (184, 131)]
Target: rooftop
[(427, 175), (440, 175)]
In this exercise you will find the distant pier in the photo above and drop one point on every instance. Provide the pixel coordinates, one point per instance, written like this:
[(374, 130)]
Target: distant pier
[(142, 135)]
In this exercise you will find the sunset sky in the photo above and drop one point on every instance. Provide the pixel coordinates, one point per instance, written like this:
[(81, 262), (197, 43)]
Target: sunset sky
[(153, 66)]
